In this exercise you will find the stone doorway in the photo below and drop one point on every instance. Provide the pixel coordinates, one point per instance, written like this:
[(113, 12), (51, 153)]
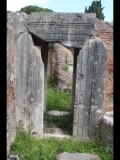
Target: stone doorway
[(72, 30), (43, 46), (59, 120)]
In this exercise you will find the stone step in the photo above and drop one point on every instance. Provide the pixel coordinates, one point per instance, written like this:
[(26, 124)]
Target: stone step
[(48, 135), (58, 113)]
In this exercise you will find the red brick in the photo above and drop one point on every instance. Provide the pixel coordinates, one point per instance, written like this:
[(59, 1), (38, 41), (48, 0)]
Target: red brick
[(108, 108)]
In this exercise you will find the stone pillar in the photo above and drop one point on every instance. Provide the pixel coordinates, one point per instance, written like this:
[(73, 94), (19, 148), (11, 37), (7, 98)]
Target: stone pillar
[(76, 52), (89, 94), (44, 52), (11, 85), (29, 84), (29, 76)]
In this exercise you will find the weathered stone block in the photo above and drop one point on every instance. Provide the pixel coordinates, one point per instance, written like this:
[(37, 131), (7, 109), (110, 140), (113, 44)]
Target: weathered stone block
[(13, 157), (90, 81), (11, 86), (71, 29), (107, 128), (30, 83), (76, 156), (30, 76)]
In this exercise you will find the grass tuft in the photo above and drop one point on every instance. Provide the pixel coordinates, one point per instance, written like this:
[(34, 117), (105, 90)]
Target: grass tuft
[(57, 100)]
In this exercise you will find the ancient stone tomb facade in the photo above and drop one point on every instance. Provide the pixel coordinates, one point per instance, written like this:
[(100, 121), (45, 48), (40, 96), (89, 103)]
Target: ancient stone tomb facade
[(77, 30)]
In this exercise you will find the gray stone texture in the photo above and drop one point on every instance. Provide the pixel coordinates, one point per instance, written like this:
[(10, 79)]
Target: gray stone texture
[(107, 129), (11, 83), (90, 80), (30, 76), (76, 156), (71, 29), (13, 157)]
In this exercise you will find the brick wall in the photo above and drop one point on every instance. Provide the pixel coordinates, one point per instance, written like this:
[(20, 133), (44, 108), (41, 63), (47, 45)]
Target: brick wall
[(105, 32)]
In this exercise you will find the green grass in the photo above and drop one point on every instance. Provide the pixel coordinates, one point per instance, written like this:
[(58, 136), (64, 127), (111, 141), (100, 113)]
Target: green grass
[(64, 122), (57, 100), (28, 147)]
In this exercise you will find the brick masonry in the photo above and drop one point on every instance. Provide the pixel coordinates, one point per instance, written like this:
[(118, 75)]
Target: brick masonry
[(105, 32)]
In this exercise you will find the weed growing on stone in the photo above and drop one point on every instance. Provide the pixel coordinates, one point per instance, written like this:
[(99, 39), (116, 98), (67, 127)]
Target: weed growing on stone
[(57, 100), (26, 146), (66, 66)]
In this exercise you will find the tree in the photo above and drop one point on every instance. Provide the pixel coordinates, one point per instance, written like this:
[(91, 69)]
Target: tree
[(30, 9), (96, 7)]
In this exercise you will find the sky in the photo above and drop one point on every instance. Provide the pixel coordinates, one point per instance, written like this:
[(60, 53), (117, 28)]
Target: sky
[(73, 6)]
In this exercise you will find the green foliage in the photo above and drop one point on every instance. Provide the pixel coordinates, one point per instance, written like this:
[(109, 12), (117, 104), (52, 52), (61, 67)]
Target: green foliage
[(50, 82), (66, 66), (64, 122), (20, 127), (70, 83), (57, 100), (33, 148), (109, 148), (30, 127), (30, 9), (96, 7), (50, 46)]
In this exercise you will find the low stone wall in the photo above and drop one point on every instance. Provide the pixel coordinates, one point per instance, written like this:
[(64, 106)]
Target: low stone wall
[(107, 128)]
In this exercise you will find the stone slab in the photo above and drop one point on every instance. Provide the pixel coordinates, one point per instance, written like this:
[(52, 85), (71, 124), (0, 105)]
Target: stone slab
[(57, 113), (76, 156), (71, 29), (90, 81), (107, 129), (29, 75), (11, 86)]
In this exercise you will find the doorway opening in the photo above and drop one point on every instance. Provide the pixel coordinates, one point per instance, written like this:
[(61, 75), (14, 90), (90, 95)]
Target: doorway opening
[(59, 87), (58, 117)]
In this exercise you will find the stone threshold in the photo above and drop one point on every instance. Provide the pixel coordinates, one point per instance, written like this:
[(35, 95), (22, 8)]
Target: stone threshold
[(58, 113), (48, 135)]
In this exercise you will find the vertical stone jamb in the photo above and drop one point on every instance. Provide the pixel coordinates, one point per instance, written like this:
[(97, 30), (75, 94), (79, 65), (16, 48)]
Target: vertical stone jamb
[(44, 54), (76, 52)]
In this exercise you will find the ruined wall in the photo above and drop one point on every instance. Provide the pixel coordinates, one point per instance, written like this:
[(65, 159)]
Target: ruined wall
[(11, 82), (105, 32), (60, 65), (31, 73), (29, 87)]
